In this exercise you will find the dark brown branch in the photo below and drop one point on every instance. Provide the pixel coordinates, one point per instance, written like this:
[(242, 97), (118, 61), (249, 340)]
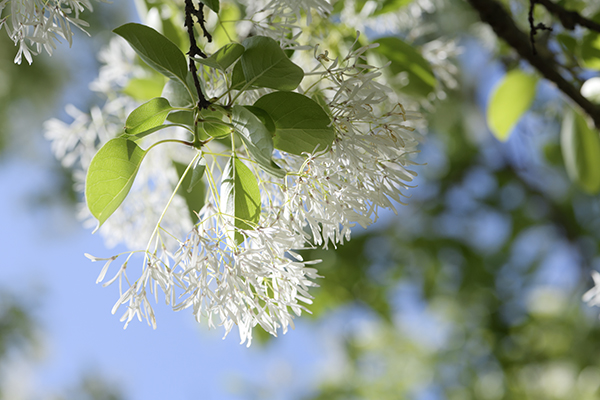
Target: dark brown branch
[(534, 28), (492, 13), (569, 19), (190, 11)]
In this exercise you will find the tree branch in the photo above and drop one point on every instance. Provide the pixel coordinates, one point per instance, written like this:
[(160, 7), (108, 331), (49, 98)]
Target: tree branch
[(568, 19), (492, 13), (190, 10)]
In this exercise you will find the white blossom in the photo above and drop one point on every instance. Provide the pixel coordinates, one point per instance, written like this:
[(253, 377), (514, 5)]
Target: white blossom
[(199, 266), (34, 25)]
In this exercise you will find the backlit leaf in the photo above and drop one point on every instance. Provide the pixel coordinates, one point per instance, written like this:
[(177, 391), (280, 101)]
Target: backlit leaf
[(240, 196), (147, 116), (264, 64), (110, 176), (301, 125), (509, 101), (224, 57), (156, 50), (581, 152), (257, 139)]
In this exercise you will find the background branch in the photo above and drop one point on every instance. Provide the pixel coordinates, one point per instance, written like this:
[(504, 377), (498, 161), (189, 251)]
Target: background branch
[(568, 19), (492, 13)]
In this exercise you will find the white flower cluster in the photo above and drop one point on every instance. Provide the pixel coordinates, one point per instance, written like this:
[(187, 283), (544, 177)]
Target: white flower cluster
[(37, 24), (263, 280)]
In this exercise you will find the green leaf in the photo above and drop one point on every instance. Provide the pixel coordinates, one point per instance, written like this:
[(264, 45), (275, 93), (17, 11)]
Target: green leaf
[(182, 117), (301, 125), (211, 122), (191, 188), (110, 176), (212, 4), (144, 89), (156, 50), (240, 196), (590, 51), (406, 60), (264, 64), (148, 116), (509, 101), (224, 57), (257, 139), (197, 174), (581, 152), (177, 94), (237, 76), (265, 118)]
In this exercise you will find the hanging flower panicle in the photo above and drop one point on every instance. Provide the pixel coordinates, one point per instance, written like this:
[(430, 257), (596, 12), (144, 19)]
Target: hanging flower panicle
[(291, 154)]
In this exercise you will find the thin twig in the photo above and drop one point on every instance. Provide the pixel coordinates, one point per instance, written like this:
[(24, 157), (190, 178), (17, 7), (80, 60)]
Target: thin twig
[(190, 11), (534, 28)]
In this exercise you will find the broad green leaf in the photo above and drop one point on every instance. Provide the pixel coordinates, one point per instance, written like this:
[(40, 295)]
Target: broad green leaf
[(581, 152), (192, 189), (257, 138), (148, 116), (211, 122), (265, 65), (182, 117), (509, 101), (197, 174), (212, 4), (240, 196), (406, 60), (224, 57), (144, 89), (590, 51), (237, 76), (215, 128), (177, 94), (301, 125), (265, 118), (110, 176), (156, 50)]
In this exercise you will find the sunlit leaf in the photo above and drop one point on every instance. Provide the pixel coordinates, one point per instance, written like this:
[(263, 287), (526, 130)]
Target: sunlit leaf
[(581, 152), (110, 176), (510, 99), (156, 50), (264, 64), (224, 57), (257, 138), (301, 125), (148, 116), (240, 196)]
